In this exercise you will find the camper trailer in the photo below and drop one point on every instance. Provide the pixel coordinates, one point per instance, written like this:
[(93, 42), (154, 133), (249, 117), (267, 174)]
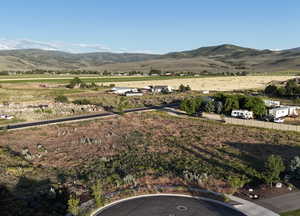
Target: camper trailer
[(272, 103), (244, 114), (283, 111)]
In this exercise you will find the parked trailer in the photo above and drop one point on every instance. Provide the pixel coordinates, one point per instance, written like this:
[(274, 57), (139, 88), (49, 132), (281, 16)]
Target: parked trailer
[(244, 114), (283, 111), (272, 103)]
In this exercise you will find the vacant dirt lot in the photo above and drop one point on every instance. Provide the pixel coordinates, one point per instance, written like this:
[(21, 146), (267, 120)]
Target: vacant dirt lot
[(213, 83)]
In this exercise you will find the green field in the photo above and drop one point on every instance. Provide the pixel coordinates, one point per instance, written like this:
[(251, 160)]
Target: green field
[(292, 213), (94, 79)]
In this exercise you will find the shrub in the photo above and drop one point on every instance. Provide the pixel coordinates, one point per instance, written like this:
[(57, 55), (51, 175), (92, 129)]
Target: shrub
[(209, 107), (73, 205), (237, 182), (61, 99), (183, 88), (81, 102), (98, 194)]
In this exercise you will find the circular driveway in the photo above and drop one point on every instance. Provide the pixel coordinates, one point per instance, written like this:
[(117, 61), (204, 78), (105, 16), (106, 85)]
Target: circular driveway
[(167, 206)]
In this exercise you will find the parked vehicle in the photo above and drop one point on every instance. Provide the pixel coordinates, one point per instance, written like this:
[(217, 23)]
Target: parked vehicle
[(244, 114)]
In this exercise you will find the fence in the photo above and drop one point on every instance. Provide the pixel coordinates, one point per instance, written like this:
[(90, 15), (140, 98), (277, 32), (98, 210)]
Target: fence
[(253, 123)]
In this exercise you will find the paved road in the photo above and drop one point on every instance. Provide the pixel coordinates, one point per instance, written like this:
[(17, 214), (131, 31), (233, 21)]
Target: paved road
[(167, 206), (283, 203), (81, 117)]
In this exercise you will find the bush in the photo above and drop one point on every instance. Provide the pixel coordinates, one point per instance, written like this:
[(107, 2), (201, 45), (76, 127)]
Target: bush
[(237, 182), (98, 194), (209, 107), (73, 205), (81, 102), (61, 99), (183, 88)]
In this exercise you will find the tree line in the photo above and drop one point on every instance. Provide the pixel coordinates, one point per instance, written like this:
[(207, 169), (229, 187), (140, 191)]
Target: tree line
[(223, 104)]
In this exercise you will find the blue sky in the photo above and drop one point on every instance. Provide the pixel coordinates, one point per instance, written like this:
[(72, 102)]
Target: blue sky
[(150, 26)]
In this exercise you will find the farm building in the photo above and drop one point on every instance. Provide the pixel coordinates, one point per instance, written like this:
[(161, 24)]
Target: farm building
[(123, 90), (272, 103), (283, 111), (244, 114)]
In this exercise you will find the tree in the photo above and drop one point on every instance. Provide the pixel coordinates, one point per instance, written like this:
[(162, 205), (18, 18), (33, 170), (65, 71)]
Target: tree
[(273, 168), (231, 103), (191, 105), (209, 107), (73, 205), (183, 88), (74, 82), (97, 193), (121, 105), (291, 87), (255, 104), (218, 107), (271, 90)]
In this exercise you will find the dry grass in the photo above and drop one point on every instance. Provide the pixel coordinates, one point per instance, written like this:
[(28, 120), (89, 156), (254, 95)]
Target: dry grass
[(213, 83)]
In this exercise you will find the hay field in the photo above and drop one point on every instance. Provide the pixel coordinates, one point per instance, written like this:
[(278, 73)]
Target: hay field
[(212, 83)]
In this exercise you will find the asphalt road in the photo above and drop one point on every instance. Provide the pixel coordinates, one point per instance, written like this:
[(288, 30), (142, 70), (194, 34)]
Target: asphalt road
[(283, 203), (81, 117), (167, 206)]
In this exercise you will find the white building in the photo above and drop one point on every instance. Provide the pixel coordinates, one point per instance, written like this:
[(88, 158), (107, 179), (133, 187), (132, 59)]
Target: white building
[(283, 111), (244, 114), (123, 90)]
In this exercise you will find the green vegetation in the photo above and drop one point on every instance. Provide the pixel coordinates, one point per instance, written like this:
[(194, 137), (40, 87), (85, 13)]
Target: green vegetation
[(224, 103), (97, 79), (237, 182), (97, 192), (73, 205), (290, 90), (61, 99), (183, 88), (292, 213), (273, 168), (82, 102)]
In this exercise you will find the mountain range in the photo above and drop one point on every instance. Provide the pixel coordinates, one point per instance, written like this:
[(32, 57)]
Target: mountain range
[(205, 60)]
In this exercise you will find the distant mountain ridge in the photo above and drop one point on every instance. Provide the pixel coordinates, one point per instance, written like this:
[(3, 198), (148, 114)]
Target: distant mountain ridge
[(212, 59)]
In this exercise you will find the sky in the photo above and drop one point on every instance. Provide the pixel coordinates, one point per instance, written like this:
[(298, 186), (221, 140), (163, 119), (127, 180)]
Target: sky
[(151, 26)]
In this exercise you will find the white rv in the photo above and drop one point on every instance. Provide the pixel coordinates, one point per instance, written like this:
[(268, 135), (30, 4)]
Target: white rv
[(272, 103), (283, 111), (244, 114)]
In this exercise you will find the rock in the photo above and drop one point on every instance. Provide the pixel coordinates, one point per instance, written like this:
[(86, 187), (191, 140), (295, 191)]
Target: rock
[(278, 185), (251, 190), (25, 151)]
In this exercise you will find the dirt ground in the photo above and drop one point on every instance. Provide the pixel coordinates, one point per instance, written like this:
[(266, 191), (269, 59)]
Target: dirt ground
[(213, 83)]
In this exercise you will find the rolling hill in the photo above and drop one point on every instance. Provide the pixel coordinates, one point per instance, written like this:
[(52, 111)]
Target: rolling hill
[(214, 59)]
